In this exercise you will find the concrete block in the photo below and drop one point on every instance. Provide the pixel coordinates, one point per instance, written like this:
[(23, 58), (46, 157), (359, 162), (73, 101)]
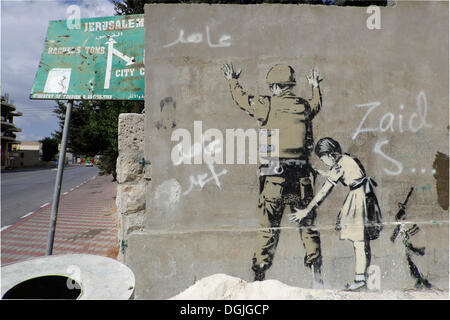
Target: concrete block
[(131, 222), (130, 197), (131, 132), (129, 167)]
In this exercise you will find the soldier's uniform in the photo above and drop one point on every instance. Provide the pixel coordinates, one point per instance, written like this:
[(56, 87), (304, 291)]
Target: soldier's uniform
[(287, 180)]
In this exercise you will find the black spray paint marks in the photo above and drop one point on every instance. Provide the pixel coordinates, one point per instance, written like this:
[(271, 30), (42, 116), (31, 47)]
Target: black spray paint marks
[(286, 176), (410, 250), (167, 114)]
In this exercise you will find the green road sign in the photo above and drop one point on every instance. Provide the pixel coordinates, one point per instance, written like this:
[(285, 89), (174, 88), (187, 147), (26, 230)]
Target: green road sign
[(102, 59)]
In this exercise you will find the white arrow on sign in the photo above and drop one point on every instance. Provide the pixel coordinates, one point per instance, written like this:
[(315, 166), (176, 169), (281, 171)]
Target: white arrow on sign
[(113, 51)]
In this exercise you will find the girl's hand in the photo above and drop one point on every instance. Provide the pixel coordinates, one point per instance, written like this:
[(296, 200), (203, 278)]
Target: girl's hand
[(298, 215)]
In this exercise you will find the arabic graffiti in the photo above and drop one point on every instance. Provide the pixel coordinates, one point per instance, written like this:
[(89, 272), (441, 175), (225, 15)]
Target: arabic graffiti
[(198, 38), (202, 179), (196, 149)]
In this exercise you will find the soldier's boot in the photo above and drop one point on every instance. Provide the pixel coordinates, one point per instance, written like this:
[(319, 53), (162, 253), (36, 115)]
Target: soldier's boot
[(316, 271), (268, 233), (317, 278), (264, 252), (422, 283), (313, 255), (260, 275)]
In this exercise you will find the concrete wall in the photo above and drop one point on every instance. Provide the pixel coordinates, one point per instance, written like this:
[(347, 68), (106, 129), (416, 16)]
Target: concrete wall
[(391, 83)]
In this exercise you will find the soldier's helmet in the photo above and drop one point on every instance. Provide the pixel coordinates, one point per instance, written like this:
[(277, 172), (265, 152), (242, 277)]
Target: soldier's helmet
[(282, 74)]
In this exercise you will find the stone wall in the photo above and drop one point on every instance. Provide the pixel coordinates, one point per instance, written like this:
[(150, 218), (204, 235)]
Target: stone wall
[(130, 198)]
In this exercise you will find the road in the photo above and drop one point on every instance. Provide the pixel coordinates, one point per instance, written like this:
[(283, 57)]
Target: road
[(23, 192)]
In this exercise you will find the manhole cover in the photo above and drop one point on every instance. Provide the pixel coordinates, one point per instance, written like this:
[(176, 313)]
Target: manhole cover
[(45, 287)]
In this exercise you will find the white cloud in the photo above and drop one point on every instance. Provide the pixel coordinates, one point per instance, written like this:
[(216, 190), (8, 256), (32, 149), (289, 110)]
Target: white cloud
[(23, 31), (99, 8), (29, 137)]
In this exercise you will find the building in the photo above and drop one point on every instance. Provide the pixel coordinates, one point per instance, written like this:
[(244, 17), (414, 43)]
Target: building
[(29, 154), (8, 138)]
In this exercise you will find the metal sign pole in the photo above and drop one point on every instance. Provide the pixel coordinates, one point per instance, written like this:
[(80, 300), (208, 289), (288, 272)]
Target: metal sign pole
[(58, 182)]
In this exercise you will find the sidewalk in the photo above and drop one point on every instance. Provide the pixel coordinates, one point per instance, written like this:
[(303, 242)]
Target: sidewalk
[(87, 223)]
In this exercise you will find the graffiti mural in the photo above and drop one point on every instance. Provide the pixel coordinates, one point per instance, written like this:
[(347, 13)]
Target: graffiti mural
[(290, 183), (360, 218), (261, 164)]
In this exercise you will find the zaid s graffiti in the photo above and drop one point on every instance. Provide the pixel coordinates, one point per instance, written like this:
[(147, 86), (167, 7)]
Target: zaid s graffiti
[(359, 220), (285, 180)]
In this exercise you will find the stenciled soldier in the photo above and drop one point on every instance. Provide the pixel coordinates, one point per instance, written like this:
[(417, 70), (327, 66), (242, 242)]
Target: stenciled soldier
[(285, 180)]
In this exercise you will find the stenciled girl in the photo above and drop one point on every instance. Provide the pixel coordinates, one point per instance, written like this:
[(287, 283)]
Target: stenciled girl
[(359, 219)]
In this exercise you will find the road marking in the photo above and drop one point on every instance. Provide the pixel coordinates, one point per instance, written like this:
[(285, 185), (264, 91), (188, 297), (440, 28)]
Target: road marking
[(27, 215), (45, 204), (4, 228), (65, 193)]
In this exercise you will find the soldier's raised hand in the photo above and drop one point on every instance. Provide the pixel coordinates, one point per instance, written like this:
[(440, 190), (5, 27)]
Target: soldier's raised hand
[(314, 78), (229, 72)]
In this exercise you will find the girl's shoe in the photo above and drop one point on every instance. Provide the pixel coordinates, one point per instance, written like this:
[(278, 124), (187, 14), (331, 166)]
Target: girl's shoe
[(356, 286)]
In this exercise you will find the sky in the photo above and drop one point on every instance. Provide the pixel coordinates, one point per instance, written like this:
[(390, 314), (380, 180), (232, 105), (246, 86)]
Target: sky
[(23, 29)]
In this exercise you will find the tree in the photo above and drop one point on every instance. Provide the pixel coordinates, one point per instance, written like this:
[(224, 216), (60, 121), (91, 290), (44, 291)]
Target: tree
[(93, 129), (49, 148), (129, 6), (81, 139), (124, 7)]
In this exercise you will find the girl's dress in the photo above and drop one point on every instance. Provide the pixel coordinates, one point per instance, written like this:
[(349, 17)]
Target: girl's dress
[(360, 216)]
